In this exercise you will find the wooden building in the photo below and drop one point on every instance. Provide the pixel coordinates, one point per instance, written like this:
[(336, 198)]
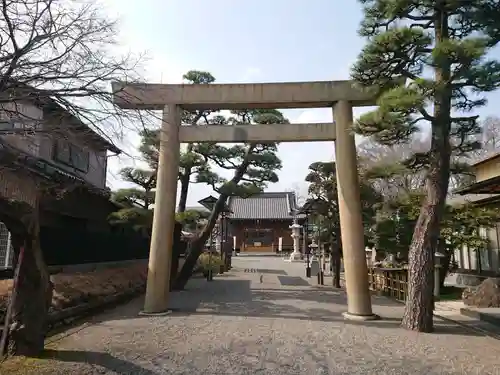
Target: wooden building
[(261, 222), (474, 265), (56, 150)]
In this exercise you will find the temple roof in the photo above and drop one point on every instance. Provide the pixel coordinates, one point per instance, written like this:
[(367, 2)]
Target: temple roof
[(271, 205)]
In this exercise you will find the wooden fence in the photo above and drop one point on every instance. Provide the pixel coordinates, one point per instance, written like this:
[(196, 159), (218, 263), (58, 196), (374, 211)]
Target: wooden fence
[(390, 282)]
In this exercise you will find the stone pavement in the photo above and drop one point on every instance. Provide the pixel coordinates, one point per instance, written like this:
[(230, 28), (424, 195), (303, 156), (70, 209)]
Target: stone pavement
[(448, 308), (282, 325)]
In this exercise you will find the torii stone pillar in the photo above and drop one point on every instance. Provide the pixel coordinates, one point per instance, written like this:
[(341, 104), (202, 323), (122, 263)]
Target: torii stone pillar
[(351, 222), (253, 96), (162, 236)]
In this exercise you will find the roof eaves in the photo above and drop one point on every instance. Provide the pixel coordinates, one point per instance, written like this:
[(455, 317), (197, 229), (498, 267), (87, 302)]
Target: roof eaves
[(487, 158), (488, 186), (45, 169), (476, 199)]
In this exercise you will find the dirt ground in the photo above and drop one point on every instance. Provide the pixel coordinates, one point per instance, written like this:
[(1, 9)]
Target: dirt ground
[(76, 288)]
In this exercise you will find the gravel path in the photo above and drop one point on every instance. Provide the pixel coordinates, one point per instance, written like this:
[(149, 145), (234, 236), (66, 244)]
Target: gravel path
[(238, 325)]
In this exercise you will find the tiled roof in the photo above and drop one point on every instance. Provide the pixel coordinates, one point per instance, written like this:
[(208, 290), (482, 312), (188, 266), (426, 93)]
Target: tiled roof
[(270, 205)]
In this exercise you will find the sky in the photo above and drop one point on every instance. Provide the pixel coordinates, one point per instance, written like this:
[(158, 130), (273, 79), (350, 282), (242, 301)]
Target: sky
[(246, 41)]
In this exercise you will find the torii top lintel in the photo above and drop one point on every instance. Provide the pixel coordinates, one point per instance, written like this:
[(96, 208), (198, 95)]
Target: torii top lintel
[(240, 96)]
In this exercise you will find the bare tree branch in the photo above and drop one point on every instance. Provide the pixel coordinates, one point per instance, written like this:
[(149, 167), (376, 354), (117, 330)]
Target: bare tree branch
[(64, 53)]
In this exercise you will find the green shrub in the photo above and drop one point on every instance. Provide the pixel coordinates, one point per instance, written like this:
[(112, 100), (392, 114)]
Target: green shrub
[(205, 263)]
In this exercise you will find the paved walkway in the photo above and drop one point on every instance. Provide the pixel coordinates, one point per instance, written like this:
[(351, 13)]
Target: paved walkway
[(284, 325)]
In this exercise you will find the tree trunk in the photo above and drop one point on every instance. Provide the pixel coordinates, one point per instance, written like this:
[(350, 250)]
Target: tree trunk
[(198, 244), (184, 180), (336, 258), (186, 176), (174, 268), (34, 296), (179, 247), (337, 254), (336, 272), (418, 315)]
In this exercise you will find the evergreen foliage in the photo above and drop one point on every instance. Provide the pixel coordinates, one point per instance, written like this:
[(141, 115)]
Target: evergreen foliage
[(429, 61)]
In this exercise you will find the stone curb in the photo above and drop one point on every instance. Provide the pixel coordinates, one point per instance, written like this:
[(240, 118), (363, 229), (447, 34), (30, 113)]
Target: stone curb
[(487, 332), (493, 333), (70, 314), (59, 321), (471, 313)]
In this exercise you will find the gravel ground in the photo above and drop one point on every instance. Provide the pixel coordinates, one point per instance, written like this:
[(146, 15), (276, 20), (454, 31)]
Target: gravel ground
[(238, 325)]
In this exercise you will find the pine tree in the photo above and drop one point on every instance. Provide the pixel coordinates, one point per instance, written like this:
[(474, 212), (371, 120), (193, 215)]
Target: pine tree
[(251, 166), (135, 202), (440, 49), (323, 192), (190, 162)]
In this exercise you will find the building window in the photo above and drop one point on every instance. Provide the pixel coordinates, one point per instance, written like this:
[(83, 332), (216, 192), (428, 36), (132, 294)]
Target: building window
[(71, 155)]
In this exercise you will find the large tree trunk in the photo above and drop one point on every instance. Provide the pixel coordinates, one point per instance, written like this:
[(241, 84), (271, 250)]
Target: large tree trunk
[(418, 315), (34, 296)]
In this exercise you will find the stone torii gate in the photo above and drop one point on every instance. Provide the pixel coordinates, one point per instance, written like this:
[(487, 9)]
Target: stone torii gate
[(171, 98)]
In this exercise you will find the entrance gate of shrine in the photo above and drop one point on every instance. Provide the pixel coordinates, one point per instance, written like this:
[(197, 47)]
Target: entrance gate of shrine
[(341, 96)]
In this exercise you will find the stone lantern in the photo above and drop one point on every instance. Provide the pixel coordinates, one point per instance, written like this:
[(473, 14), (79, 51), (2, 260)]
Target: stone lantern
[(296, 255)]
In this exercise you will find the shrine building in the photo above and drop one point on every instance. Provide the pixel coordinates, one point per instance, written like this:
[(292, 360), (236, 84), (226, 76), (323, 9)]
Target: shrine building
[(261, 223)]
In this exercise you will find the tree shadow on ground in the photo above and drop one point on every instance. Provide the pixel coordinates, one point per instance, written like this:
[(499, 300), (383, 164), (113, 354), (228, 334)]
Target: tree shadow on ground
[(236, 297), (52, 362), (104, 360)]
